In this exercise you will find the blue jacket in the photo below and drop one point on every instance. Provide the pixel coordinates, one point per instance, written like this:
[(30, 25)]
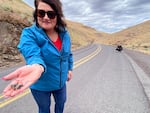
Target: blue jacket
[(37, 48)]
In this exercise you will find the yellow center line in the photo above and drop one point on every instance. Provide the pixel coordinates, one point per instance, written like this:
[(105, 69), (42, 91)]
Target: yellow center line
[(9, 100), (1, 96), (87, 58), (76, 64)]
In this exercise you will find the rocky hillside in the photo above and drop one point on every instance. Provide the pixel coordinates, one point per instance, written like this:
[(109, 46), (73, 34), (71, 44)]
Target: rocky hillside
[(12, 21)]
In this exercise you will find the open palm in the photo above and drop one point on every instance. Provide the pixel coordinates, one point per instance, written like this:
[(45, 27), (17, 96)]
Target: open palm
[(24, 76)]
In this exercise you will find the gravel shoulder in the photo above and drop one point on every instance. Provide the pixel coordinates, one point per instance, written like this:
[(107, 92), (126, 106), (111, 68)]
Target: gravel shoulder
[(142, 60)]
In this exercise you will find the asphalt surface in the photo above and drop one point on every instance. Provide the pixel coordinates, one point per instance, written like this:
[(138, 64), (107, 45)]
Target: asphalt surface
[(108, 83)]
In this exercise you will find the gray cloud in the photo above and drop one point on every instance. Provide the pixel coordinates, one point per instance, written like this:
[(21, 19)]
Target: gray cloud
[(107, 15)]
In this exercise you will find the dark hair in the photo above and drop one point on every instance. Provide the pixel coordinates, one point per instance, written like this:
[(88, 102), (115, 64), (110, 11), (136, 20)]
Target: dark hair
[(57, 7)]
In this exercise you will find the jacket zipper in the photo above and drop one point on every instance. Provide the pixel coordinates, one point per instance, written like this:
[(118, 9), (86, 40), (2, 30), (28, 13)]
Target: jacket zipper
[(60, 70), (61, 63)]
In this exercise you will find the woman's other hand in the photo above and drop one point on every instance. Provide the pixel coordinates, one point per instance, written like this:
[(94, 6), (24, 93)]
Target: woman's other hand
[(69, 75)]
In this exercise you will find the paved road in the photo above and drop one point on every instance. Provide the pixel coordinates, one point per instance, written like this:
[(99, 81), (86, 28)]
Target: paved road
[(108, 83)]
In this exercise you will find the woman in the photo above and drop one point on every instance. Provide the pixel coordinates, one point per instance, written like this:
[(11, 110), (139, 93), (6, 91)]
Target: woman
[(46, 47)]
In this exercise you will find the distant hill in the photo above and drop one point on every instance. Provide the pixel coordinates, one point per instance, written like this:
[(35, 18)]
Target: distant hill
[(136, 37)]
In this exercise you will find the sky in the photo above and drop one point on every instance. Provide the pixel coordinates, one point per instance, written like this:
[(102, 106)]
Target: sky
[(107, 16)]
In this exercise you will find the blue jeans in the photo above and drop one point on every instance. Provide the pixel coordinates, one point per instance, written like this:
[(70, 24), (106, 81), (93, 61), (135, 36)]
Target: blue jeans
[(43, 99)]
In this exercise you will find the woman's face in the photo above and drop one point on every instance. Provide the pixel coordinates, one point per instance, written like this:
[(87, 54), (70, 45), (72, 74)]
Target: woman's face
[(46, 20)]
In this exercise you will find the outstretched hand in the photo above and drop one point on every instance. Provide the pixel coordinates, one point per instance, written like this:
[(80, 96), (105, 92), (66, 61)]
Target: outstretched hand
[(22, 78)]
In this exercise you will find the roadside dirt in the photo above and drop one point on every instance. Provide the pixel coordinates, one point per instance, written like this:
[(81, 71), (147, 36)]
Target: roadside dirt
[(143, 60)]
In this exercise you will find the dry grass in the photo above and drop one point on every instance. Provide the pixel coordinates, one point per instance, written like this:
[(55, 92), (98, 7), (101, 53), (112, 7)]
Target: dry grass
[(17, 6), (17, 9)]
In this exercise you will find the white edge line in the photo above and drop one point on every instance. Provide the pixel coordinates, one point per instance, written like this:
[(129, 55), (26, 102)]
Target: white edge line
[(143, 77)]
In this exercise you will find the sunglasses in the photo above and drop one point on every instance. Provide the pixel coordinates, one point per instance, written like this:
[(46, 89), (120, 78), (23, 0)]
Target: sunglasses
[(50, 14)]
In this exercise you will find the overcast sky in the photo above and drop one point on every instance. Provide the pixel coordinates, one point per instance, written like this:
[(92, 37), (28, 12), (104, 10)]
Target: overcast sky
[(106, 15)]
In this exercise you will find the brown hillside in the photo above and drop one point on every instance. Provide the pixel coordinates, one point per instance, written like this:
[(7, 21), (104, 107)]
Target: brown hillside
[(83, 35)]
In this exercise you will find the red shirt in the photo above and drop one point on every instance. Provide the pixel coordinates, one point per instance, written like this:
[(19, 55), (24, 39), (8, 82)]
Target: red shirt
[(58, 43)]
